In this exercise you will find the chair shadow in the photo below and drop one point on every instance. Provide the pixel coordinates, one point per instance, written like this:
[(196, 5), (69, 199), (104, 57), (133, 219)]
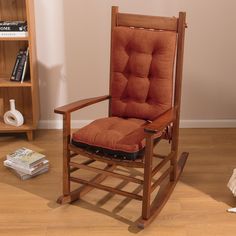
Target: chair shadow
[(48, 186), (114, 213), (132, 225), (205, 169)]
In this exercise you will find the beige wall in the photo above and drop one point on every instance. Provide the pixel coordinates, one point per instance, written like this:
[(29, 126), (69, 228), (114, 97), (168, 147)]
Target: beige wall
[(73, 53)]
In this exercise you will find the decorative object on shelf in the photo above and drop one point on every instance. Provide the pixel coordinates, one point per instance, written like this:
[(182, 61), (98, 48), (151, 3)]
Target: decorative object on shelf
[(17, 33), (13, 117)]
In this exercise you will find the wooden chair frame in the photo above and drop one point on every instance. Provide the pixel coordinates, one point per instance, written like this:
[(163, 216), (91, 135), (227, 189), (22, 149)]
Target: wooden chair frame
[(172, 116)]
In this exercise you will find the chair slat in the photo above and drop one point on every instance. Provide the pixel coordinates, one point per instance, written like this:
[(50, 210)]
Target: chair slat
[(107, 188), (162, 163), (105, 172), (87, 162), (148, 22), (161, 178)]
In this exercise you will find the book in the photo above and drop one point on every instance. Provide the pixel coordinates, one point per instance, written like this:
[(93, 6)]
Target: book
[(13, 34), (13, 23), (25, 65), (14, 71), (20, 68), (26, 157), (24, 176), (13, 26), (31, 171)]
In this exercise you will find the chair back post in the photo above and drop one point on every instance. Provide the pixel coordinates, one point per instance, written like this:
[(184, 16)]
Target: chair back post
[(178, 87), (114, 13)]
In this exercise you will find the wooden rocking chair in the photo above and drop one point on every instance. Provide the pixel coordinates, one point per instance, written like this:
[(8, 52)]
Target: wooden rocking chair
[(144, 107)]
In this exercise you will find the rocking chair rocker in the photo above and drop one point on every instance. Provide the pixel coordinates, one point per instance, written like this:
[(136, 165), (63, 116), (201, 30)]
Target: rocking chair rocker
[(144, 108)]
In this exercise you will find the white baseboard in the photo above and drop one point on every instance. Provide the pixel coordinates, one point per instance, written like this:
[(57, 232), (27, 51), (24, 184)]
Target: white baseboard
[(57, 124)]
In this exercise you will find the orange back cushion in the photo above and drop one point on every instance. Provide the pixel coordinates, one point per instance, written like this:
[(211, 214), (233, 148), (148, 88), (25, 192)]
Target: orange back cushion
[(142, 72)]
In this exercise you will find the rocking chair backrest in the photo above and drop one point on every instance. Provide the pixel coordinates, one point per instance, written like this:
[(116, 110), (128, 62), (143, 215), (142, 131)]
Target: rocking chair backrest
[(143, 52)]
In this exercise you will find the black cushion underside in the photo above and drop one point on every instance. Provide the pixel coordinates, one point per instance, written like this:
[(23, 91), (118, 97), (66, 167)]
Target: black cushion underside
[(121, 155)]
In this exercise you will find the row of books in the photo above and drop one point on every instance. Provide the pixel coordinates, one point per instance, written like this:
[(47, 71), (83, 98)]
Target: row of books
[(26, 163), (13, 29), (20, 67)]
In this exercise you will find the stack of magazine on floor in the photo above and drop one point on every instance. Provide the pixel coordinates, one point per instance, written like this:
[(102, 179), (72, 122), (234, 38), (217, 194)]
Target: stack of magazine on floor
[(20, 67), (26, 163), (13, 29)]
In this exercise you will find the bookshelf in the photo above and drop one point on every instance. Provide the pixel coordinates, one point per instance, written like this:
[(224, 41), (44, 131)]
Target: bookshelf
[(26, 94)]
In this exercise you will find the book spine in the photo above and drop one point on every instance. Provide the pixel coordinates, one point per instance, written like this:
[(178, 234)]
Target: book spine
[(12, 34), (22, 169), (11, 23), (26, 165), (20, 67), (25, 66), (18, 58), (24, 176), (36, 163), (20, 28)]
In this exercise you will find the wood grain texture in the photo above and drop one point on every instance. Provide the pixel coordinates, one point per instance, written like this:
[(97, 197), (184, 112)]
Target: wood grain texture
[(105, 172), (114, 12), (11, 10), (6, 83), (1, 108), (164, 193), (27, 99), (148, 22), (80, 104), (161, 122), (177, 92), (148, 162), (148, 211), (196, 207), (66, 153), (106, 188), (14, 39), (33, 62)]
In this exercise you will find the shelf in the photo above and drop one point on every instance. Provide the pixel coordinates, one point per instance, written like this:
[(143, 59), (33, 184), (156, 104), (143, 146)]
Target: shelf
[(14, 38), (4, 128), (25, 94), (5, 82)]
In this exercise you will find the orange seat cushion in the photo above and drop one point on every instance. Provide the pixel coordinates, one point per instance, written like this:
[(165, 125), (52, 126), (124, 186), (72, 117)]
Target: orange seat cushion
[(122, 138), (142, 72)]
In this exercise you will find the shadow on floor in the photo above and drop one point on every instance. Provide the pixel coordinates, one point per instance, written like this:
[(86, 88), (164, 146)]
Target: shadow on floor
[(208, 169)]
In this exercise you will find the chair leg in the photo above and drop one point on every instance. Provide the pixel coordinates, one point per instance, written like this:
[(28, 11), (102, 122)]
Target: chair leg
[(146, 204), (174, 148), (66, 159), (163, 194), (174, 164)]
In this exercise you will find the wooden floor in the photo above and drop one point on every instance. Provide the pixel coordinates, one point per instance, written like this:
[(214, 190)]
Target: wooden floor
[(197, 206)]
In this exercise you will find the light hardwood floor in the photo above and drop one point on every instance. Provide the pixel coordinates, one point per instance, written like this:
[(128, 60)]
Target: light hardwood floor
[(197, 206)]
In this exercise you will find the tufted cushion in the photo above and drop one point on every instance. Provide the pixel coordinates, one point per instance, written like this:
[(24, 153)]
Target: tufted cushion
[(113, 135), (142, 72)]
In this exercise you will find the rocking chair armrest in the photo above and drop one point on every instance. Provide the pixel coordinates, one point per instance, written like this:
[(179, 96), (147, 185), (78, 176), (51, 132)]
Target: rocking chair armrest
[(80, 104), (161, 122)]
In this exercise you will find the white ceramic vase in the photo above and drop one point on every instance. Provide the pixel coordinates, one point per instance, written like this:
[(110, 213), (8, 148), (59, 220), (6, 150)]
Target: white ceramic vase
[(13, 117)]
